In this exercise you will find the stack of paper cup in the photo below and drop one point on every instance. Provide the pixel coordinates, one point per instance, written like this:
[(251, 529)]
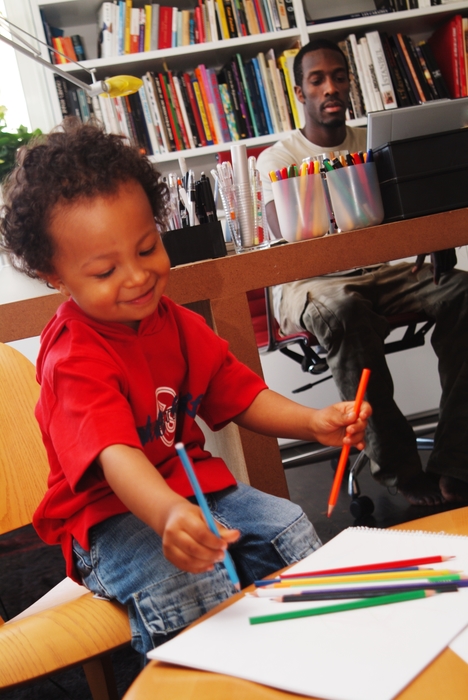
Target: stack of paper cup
[(243, 190)]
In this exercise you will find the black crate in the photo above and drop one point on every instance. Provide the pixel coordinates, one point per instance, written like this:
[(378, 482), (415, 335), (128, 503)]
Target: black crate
[(193, 243), (423, 175)]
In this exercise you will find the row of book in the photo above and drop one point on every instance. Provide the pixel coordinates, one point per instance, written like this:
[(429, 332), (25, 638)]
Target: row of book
[(183, 110), (124, 29), (391, 70), (346, 9), (68, 47)]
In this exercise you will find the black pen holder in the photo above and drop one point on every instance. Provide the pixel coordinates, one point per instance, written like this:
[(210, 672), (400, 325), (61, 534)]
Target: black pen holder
[(194, 243)]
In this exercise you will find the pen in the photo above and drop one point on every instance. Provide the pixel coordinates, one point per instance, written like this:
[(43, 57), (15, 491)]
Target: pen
[(284, 173), (273, 177), (199, 495), (342, 607), (346, 448)]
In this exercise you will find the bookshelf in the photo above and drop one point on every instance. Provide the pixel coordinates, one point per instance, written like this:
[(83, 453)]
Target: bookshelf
[(79, 17)]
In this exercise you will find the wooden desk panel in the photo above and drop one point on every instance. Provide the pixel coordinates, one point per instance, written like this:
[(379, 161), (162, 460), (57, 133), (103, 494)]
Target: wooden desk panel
[(445, 679), (217, 289)]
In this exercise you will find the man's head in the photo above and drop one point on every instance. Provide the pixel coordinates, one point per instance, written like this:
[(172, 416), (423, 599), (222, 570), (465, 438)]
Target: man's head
[(322, 84)]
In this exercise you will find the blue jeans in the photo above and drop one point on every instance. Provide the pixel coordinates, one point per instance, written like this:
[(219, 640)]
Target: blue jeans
[(126, 561)]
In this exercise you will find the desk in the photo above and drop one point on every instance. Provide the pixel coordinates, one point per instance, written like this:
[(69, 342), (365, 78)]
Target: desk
[(446, 677), (217, 289)]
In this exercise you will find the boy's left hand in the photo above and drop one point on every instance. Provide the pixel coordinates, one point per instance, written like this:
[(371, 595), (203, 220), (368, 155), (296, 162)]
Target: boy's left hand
[(338, 424)]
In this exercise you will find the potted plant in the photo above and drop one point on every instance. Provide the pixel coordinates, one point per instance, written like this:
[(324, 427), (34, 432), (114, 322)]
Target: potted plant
[(9, 144)]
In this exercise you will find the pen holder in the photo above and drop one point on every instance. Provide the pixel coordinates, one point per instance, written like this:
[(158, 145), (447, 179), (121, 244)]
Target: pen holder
[(301, 207), (355, 196), (193, 243)]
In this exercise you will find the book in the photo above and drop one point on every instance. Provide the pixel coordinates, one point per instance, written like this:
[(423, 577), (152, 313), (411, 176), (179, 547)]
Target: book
[(61, 94), (278, 90), (83, 105), (195, 109), (164, 110), (283, 15), (154, 26), (263, 96), (221, 12), (410, 70), (156, 115), (123, 120), (78, 46), (218, 104), (247, 94), (251, 17), (215, 131), (437, 77), (356, 100), (310, 11), (256, 98), (230, 18), (433, 94), (226, 76), (121, 28), (404, 638), (259, 14), (229, 111), (288, 68), (165, 27), (128, 20), (105, 30), (149, 121), (290, 12), (352, 39), (141, 128), (187, 111), (382, 72), (162, 117), (135, 30), (444, 45), (60, 57), (201, 107), (406, 77), (461, 46), (174, 107), (370, 75), (399, 86), (185, 122), (270, 93)]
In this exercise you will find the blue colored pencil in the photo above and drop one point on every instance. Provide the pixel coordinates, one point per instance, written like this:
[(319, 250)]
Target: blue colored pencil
[(210, 521)]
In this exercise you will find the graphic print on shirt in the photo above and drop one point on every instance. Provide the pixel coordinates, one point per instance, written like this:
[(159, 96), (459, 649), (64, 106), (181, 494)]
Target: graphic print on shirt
[(168, 404)]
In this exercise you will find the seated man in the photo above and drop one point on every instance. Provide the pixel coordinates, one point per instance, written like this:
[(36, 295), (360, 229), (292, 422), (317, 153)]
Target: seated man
[(347, 312)]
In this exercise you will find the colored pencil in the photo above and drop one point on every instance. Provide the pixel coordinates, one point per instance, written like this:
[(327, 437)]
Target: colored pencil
[(399, 564), (370, 592), (346, 448), (365, 578), (272, 591), (210, 521), (341, 607)]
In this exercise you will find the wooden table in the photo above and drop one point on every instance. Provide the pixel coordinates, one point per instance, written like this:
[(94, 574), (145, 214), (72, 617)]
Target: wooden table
[(445, 679), (217, 289)]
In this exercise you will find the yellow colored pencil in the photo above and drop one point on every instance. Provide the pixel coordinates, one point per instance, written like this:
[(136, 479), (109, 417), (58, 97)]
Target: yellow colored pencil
[(357, 578)]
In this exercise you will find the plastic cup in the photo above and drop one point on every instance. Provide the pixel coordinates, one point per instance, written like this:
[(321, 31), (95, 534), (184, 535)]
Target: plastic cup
[(355, 196), (301, 207)]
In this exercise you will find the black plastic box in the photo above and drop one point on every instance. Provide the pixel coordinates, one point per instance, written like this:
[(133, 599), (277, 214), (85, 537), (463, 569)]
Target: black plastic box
[(423, 175), (193, 243)]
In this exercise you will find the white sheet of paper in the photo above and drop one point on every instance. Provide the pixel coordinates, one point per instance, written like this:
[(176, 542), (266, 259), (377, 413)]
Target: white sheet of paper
[(460, 645), (369, 654)]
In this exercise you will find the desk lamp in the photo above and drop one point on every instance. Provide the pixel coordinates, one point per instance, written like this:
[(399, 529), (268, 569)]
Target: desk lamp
[(118, 86)]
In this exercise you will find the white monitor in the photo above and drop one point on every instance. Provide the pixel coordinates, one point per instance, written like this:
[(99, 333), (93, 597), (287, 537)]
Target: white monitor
[(419, 120)]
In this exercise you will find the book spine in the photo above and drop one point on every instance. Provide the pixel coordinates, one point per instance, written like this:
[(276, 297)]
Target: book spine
[(433, 94), (251, 17), (155, 101), (171, 112), (381, 69), (218, 103), (278, 90), (290, 91), (283, 15), (263, 97), (149, 121), (291, 14), (140, 124), (123, 120), (164, 111), (105, 18), (61, 94), (222, 19), (204, 95), (461, 52), (195, 109), (83, 105), (183, 111), (400, 41), (229, 112), (246, 92), (78, 47), (399, 86), (148, 9), (165, 28), (360, 71), (257, 5), (134, 30), (188, 110), (235, 101), (255, 98), (230, 19), (128, 22), (155, 113), (355, 93), (203, 114), (370, 69)]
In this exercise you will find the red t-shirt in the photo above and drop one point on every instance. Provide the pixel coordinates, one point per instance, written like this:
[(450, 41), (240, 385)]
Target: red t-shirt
[(105, 384)]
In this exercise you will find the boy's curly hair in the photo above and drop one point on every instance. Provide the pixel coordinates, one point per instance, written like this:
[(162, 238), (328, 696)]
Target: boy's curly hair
[(75, 162)]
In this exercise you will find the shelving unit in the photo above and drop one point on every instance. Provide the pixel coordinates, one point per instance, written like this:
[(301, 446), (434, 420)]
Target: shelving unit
[(79, 17)]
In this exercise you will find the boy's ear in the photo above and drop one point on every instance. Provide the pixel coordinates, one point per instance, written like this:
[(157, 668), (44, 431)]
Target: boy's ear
[(299, 94), (53, 280)]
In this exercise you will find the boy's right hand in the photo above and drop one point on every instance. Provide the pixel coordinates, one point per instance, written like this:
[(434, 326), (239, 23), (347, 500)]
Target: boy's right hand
[(189, 544)]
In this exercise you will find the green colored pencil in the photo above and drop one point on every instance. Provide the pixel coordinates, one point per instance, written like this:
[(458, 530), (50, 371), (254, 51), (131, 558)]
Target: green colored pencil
[(354, 605)]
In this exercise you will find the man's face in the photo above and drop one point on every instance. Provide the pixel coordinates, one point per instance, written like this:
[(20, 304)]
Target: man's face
[(325, 87)]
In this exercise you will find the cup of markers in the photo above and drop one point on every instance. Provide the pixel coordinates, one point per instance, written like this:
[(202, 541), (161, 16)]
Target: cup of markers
[(354, 191), (300, 201)]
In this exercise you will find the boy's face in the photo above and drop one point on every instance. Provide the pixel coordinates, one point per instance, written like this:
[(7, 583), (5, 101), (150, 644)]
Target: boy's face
[(325, 87), (109, 255)]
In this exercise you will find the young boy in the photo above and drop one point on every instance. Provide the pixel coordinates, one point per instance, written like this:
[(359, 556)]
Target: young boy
[(124, 372)]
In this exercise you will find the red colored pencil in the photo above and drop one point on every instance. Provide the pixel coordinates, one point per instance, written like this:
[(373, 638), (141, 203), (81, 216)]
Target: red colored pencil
[(380, 566), (346, 448)]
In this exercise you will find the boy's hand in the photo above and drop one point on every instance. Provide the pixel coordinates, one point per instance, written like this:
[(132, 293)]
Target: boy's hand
[(338, 424), (189, 544)]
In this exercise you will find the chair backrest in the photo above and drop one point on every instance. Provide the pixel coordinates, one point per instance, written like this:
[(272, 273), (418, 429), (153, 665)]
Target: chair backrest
[(23, 460)]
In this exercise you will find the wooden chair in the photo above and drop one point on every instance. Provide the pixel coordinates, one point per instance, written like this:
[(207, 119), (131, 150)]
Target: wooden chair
[(68, 626)]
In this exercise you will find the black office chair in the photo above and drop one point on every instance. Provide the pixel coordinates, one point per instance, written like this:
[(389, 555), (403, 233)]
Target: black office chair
[(311, 356)]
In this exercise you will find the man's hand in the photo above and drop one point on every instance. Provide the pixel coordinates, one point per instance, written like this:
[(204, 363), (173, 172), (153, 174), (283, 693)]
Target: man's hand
[(442, 261)]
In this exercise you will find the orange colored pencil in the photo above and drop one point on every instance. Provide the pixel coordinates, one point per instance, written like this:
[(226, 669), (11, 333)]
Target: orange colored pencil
[(346, 448)]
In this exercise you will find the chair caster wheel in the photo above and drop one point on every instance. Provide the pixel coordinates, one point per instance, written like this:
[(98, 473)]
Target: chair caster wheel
[(361, 506), (334, 464)]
